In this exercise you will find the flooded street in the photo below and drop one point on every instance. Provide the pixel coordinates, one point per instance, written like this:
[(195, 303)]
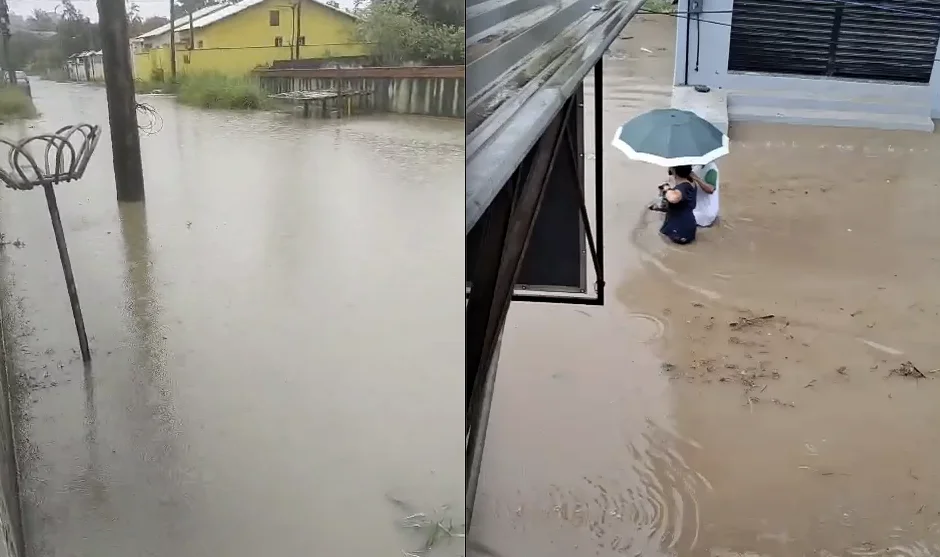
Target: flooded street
[(277, 344), (744, 395)]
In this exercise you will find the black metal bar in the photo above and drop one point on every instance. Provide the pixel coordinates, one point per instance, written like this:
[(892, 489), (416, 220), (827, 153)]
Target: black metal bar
[(481, 293), (476, 437), (490, 296), (524, 212), (834, 39), (688, 31), (563, 300), (572, 129), (599, 177), (67, 270)]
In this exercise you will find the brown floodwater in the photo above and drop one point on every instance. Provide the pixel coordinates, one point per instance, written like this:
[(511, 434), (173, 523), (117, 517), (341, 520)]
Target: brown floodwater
[(746, 394), (276, 338)]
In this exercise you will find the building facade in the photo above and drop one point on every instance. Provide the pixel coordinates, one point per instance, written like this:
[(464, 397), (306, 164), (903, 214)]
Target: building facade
[(234, 39), (86, 66), (859, 63)]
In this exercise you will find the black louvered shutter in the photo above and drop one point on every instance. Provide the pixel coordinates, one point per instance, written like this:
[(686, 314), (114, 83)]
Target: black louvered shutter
[(893, 40), (780, 36), (881, 40)]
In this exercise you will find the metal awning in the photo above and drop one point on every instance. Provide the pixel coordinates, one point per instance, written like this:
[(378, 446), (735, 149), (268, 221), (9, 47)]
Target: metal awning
[(525, 58)]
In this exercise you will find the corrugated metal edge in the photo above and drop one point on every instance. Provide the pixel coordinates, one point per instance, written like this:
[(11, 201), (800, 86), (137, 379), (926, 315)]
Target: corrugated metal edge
[(499, 143)]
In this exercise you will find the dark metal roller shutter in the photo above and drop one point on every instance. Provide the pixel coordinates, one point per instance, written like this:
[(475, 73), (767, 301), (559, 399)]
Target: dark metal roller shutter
[(780, 36), (892, 40), (882, 40)]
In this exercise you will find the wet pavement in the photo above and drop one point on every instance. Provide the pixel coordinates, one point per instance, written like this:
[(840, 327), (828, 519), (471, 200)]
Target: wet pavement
[(744, 395), (277, 343)]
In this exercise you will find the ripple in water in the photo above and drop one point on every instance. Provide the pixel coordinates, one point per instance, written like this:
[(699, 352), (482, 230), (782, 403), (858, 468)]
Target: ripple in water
[(652, 507)]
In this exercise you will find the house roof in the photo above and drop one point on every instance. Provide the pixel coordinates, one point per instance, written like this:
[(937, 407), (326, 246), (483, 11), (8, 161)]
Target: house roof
[(181, 21), (525, 58), (86, 54), (212, 14)]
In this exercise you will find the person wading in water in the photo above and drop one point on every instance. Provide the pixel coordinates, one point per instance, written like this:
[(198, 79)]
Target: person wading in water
[(679, 224)]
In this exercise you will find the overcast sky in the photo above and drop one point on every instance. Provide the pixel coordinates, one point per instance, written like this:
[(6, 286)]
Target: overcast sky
[(89, 7)]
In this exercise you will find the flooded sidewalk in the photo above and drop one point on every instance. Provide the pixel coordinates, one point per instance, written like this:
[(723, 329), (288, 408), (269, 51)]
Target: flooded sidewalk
[(246, 396), (769, 390)]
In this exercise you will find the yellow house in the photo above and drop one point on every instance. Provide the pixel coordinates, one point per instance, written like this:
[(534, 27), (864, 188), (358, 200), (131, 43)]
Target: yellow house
[(235, 38)]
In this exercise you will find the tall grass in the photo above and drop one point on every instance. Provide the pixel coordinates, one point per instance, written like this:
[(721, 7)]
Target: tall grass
[(659, 6), (15, 104), (219, 91)]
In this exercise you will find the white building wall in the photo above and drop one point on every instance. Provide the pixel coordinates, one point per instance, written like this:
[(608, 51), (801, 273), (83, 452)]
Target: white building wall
[(709, 42)]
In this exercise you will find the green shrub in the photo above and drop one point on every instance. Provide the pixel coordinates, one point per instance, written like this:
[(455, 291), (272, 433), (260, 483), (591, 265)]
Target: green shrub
[(397, 32), (15, 104), (659, 6), (219, 91)]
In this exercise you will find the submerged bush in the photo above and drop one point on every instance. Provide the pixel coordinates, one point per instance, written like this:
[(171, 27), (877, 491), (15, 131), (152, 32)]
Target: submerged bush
[(219, 91), (15, 103)]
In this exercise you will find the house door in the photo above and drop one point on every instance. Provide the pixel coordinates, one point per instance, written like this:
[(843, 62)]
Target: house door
[(880, 40)]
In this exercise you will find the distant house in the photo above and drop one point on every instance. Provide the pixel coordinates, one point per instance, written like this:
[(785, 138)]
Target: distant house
[(234, 39), (840, 63), (85, 66)]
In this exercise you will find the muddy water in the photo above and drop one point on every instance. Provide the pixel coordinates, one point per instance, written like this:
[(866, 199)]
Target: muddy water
[(736, 396), (276, 338)]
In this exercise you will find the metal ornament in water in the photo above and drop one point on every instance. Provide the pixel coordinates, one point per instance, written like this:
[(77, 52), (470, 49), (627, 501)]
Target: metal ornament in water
[(64, 158)]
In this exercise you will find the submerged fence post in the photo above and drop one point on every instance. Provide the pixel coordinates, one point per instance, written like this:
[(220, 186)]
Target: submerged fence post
[(64, 157)]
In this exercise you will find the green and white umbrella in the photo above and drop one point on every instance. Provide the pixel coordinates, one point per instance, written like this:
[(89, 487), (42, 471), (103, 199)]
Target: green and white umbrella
[(671, 137)]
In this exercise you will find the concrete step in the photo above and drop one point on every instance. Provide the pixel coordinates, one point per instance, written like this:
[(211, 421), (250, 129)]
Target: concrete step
[(833, 118), (801, 100), (711, 106), (823, 87)]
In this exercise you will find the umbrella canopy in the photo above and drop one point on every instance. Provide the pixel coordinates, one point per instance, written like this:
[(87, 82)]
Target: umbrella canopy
[(671, 137)]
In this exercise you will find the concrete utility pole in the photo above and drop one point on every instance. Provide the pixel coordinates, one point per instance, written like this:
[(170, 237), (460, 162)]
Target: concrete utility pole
[(5, 34), (122, 104), (172, 41)]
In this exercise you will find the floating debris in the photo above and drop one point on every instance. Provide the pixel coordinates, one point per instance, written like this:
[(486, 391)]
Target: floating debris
[(743, 322), (908, 369), (435, 528)]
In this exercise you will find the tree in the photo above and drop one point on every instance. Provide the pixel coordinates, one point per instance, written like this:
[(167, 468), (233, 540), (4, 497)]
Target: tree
[(42, 21), (152, 23), (138, 26), (447, 12), (76, 33), (399, 32)]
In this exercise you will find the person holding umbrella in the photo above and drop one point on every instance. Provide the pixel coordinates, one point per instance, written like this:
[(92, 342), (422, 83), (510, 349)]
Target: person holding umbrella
[(676, 139), (679, 223)]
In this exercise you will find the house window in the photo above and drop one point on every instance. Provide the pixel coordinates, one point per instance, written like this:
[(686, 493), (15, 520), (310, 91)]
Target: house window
[(199, 44), (302, 41), (186, 58), (274, 17), (278, 41)]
